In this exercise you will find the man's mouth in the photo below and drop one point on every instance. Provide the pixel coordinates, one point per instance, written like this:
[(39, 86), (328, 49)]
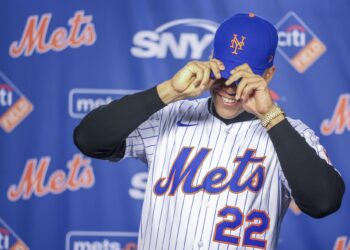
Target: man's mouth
[(228, 100)]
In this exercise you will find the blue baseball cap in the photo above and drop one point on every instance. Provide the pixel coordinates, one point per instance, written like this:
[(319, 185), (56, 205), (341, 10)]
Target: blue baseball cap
[(245, 38)]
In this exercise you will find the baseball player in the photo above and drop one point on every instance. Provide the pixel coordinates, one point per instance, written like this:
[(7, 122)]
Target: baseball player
[(223, 169)]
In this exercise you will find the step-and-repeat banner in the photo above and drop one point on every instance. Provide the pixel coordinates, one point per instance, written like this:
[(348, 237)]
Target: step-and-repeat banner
[(61, 59)]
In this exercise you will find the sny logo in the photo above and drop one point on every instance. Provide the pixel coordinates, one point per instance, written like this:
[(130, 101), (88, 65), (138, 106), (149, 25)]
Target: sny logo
[(14, 106), (297, 43), (81, 32), (182, 38), (9, 239), (340, 119), (236, 44)]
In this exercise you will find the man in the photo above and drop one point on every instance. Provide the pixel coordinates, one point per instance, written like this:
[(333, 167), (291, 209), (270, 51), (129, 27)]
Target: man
[(222, 170)]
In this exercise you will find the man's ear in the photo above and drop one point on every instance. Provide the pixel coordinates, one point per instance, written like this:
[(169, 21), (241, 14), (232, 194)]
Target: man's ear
[(268, 74)]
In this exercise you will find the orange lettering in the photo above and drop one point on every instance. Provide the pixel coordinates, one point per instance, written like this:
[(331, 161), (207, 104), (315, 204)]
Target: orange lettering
[(31, 180), (340, 119), (58, 39), (57, 182), (32, 38), (80, 175), (340, 243), (89, 34), (76, 23), (82, 32)]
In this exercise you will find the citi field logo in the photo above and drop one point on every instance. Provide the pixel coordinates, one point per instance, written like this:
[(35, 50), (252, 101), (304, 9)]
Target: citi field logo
[(82, 101), (340, 120), (90, 240), (297, 42), (34, 178), (183, 38), (14, 106), (81, 31), (237, 44), (9, 240), (342, 243)]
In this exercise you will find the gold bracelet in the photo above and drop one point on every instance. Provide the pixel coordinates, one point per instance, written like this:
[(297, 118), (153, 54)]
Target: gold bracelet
[(276, 111), (275, 121)]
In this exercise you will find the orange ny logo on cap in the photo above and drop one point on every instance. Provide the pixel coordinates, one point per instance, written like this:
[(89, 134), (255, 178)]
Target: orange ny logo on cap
[(236, 44)]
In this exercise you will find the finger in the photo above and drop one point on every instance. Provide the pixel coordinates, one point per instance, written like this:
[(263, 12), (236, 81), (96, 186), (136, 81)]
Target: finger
[(206, 77), (236, 75), (249, 90), (244, 82), (220, 63), (215, 68), (244, 67), (198, 72)]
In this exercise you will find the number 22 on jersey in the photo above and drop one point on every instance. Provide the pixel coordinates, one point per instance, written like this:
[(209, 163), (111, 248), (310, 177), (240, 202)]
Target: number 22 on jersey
[(236, 222)]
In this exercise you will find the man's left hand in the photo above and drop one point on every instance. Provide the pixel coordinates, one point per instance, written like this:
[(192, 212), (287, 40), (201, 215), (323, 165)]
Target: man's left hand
[(252, 90)]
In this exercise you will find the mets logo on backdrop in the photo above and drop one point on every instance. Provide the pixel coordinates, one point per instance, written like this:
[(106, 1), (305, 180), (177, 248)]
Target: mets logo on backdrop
[(14, 106), (340, 120), (82, 101), (342, 243), (86, 240), (297, 43), (183, 38), (236, 44), (35, 37), (9, 240)]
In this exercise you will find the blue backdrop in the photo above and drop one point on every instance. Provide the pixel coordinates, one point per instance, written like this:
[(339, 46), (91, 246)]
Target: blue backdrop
[(61, 59)]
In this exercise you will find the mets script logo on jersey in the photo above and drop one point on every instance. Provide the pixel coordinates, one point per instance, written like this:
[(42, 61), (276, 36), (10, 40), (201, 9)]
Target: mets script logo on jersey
[(9, 240), (342, 243), (33, 180), (82, 101), (297, 43), (184, 171), (35, 36), (14, 106), (86, 240), (183, 38), (236, 44), (340, 120)]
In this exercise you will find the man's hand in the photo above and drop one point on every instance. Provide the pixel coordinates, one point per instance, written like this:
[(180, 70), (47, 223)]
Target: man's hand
[(190, 81), (252, 90)]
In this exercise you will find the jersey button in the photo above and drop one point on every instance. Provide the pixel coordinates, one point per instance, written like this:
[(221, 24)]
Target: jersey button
[(200, 244)]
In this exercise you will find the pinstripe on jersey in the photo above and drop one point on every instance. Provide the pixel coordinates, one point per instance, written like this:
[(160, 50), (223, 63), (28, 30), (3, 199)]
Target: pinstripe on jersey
[(194, 164)]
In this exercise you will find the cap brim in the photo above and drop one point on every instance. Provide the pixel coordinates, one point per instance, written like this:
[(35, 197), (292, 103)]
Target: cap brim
[(230, 65)]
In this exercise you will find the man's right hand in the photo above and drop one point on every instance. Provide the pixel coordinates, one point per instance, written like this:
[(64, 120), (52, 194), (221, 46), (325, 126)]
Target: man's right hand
[(190, 81)]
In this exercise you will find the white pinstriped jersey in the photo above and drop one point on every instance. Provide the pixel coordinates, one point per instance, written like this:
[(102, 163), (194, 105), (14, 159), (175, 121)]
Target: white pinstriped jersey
[(210, 185)]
